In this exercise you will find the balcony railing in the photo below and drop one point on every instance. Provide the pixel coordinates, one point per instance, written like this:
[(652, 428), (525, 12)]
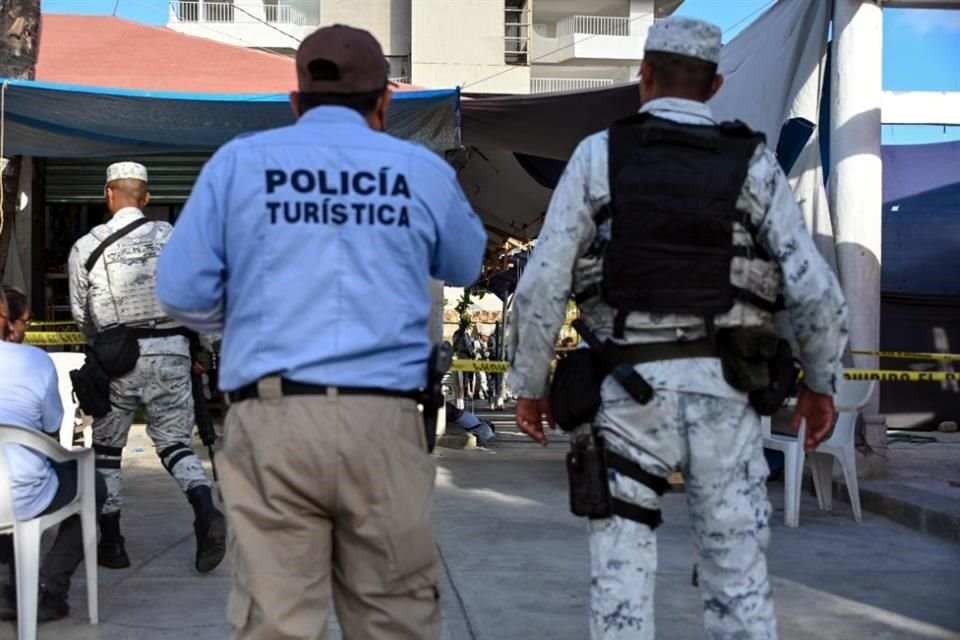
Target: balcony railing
[(205, 11), (284, 14), (551, 85), (594, 25), (400, 79)]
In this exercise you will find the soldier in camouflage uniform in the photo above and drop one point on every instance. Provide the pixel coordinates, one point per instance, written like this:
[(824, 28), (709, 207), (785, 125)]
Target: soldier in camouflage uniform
[(696, 421), (118, 290)]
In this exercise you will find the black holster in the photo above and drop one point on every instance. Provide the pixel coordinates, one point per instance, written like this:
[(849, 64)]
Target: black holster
[(91, 385), (587, 474), (588, 470), (432, 396)]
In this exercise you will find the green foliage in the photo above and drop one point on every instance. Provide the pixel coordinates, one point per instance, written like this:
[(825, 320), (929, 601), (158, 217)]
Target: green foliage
[(463, 305)]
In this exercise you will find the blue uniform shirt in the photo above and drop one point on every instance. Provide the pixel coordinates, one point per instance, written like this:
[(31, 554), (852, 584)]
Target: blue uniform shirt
[(310, 248)]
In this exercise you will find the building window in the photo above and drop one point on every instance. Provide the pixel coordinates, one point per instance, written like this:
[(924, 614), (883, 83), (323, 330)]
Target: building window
[(516, 31)]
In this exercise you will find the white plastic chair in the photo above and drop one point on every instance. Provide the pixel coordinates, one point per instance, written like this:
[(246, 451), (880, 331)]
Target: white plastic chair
[(851, 397), (65, 363), (26, 535), (793, 456)]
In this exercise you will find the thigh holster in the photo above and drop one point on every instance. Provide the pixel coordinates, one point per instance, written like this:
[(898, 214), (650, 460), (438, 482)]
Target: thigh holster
[(588, 465)]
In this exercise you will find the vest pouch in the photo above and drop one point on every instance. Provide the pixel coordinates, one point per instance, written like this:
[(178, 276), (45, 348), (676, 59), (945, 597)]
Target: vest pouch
[(746, 353), (575, 389), (783, 381), (117, 350)]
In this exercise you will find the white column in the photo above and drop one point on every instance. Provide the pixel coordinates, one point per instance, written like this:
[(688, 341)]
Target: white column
[(856, 172)]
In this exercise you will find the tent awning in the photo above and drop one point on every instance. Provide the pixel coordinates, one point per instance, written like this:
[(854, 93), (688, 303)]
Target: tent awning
[(55, 120)]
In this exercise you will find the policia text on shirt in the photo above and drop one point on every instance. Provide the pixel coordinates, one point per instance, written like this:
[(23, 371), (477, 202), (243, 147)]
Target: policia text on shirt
[(384, 183)]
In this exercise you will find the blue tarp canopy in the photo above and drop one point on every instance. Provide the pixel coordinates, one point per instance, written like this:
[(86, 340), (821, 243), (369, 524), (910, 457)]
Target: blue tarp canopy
[(55, 120)]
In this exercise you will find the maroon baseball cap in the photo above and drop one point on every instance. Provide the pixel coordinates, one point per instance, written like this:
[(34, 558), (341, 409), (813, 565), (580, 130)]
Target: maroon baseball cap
[(341, 60)]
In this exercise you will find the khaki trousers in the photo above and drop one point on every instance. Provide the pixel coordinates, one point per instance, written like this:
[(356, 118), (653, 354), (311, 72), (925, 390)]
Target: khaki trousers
[(330, 493)]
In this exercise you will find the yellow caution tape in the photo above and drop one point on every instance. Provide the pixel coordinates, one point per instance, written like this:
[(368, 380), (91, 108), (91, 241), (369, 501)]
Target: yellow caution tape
[(884, 375), (484, 366), (910, 355), (60, 338), (54, 338), (52, 323)]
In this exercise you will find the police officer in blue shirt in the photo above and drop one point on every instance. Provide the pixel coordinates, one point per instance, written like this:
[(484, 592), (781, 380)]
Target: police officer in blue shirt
[(310, 248)]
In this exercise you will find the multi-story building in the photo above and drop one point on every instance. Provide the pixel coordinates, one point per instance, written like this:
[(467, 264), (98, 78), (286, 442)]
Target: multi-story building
[(485, 46)]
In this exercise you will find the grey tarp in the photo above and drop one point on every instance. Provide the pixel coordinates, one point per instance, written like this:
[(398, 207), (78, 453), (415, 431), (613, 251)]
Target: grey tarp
[(772, 68)]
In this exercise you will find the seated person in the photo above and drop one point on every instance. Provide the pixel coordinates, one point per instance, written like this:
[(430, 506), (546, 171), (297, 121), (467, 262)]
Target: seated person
[(19, 314), (29, 398)]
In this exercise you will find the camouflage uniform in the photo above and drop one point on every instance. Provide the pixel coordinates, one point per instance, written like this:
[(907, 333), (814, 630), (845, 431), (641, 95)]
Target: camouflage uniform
[(120, 290), (696, 423)]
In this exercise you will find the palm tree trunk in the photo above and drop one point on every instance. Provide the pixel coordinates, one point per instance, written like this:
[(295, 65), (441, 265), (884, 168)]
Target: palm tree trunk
[(19, 44)]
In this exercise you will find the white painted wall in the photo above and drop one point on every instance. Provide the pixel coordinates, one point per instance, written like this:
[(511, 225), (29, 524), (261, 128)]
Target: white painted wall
[(549, 48), (461, 42), (387, 20)]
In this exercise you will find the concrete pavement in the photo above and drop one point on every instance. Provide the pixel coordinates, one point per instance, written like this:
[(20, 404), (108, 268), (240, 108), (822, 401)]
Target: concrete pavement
[(516, 566)]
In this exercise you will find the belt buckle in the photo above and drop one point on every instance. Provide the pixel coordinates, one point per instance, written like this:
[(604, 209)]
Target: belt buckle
[(270, 388)]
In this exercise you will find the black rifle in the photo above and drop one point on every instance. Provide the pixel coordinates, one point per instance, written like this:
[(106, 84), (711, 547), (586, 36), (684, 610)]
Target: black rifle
[(201, 414), (432, 397), (616, 364)]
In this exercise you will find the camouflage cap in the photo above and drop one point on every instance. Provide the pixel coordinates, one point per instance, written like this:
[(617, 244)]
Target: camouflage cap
[(685, 37), (126, 170)]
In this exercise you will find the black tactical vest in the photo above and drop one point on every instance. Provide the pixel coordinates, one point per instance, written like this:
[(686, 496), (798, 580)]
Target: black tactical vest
[(674, 190)]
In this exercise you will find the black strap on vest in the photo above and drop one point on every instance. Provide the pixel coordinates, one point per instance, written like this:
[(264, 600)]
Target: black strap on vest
[(653, 518), (109, 240)]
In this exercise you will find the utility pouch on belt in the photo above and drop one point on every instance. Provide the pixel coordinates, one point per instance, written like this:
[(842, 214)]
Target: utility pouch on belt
[(91, 385), (432, 397), (783, 381), (117, 350), (575, 389), (758, 361)]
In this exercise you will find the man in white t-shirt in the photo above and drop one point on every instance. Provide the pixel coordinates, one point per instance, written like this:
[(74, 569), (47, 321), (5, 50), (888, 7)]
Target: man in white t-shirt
[(29, 398)]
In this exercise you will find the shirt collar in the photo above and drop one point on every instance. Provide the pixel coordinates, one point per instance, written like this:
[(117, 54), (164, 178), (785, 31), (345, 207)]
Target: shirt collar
[(679, 106), (332, 115), (125, 216)]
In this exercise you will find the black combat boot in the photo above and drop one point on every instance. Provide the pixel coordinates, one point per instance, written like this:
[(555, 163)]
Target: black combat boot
[(52, 606), (111, 552), (210, 528)]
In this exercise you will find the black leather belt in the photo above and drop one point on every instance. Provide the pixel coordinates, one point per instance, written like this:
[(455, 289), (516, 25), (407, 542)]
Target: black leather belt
[(291, 388), (657, 351)]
